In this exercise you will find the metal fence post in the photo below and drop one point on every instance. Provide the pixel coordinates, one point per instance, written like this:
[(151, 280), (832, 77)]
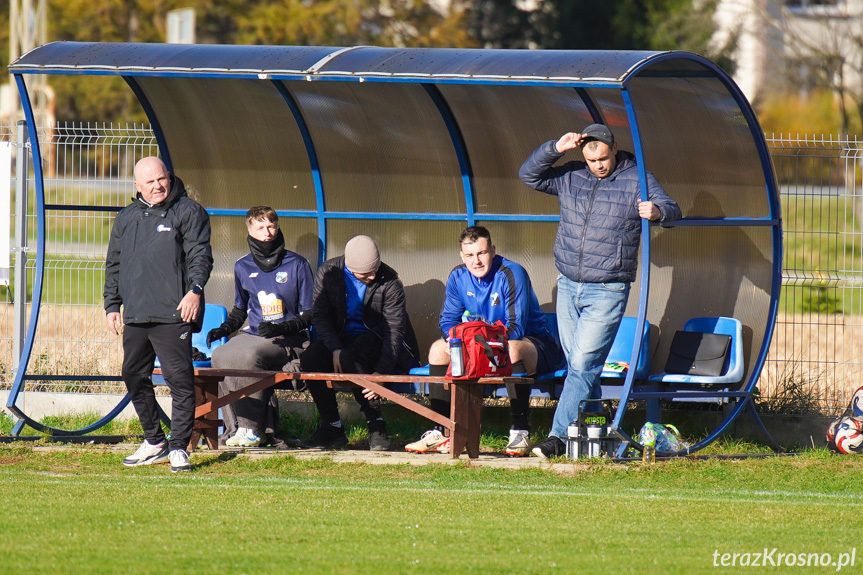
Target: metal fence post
[(22, 165)]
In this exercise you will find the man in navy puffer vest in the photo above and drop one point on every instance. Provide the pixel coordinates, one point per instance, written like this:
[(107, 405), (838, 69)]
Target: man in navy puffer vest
[(596, 252)]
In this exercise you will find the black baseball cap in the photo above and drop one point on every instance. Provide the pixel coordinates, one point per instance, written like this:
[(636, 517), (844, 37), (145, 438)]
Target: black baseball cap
[(598, 132)]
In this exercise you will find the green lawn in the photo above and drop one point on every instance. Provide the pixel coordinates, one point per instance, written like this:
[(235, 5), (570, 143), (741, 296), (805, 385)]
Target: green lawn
[(80, 511)]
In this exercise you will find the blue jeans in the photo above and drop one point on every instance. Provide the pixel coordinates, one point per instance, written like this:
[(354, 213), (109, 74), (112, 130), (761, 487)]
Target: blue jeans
[(588, 315)]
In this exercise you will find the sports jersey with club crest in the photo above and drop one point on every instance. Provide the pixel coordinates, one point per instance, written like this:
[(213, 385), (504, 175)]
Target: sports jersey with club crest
[(274, 296)]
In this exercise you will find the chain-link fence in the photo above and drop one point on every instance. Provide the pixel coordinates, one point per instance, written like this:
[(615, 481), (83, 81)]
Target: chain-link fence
[(814, 359)]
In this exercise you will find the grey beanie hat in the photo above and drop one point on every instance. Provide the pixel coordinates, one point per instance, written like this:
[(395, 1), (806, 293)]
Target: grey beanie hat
[(361, 255)]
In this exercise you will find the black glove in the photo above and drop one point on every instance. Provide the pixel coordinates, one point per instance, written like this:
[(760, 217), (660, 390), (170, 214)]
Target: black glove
[(290, 327), (270, 330), (217, 333)]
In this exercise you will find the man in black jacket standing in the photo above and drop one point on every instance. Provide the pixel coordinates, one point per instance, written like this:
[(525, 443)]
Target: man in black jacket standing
[(159, 259), (362, 326)]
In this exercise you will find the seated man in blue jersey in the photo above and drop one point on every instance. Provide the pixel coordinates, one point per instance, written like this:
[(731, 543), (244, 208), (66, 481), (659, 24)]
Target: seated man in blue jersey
[(362, 326), (494, 288), (273, 289)]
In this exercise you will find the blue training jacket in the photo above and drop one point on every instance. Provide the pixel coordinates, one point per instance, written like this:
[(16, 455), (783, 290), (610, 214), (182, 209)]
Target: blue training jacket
[(504, 294)]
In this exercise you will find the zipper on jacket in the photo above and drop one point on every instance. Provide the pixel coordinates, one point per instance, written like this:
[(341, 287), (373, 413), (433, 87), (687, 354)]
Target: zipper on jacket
[(367, 298), (584, 229)]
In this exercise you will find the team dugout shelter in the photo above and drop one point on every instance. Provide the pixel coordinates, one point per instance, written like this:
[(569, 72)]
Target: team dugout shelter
[(412, 145)]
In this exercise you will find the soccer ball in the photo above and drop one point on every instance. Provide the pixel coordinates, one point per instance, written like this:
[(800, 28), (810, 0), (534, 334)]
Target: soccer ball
[(845, 421), (849, 435), (857, 403), (831, 433)]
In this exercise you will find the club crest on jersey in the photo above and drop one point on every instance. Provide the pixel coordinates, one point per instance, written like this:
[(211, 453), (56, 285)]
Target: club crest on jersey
[(281, 277), (163, 228)]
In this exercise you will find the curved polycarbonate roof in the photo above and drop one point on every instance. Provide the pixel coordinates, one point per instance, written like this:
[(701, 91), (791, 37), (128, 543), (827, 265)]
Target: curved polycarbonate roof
[(526, 65)]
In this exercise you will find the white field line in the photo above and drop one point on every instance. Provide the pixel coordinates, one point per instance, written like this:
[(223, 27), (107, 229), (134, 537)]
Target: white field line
[(246, 482)]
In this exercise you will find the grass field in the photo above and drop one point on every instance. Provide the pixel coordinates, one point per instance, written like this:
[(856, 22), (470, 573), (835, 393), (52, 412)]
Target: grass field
[(79, 511)]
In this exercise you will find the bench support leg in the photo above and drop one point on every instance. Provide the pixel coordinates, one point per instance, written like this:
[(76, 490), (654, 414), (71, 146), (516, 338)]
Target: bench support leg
[(466, 401), (206, 390)]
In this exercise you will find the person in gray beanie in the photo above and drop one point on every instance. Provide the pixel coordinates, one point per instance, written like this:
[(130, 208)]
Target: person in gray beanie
[(362, 326)]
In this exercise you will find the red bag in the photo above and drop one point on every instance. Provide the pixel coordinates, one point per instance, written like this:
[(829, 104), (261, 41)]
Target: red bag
[(485, 349)]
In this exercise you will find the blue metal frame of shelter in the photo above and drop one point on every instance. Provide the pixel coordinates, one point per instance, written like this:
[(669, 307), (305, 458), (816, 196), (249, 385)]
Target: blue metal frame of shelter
[(588, 71)]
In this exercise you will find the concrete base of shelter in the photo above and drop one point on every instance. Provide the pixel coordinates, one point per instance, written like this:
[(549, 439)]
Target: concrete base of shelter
[(38, 404), (788, 430)]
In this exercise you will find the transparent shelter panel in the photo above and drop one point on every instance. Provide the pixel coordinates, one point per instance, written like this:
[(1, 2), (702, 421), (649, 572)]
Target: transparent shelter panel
[(501, 127), (382, 147), (173, 57), (697, 143), (234, 143), (501, 63), (699, 271), (422, 252)]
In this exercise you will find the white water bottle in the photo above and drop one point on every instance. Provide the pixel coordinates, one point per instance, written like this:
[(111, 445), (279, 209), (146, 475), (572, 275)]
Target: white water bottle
[(456, 357)]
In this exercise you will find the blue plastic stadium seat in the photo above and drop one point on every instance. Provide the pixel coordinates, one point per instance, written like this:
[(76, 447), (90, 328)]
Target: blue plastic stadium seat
[(621, 349), (424, 370), (734, 369), (214, 316)]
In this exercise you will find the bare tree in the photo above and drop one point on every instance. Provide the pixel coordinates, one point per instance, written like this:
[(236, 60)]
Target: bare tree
[(822, 46)]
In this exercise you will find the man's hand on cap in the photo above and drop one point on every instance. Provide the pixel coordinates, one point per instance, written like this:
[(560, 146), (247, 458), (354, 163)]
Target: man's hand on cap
[(568, 141)]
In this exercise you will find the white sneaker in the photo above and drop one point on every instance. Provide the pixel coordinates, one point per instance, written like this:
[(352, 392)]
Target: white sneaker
[(179, 460), (432, 441), (244, 437), (519, 443), (147, 455)]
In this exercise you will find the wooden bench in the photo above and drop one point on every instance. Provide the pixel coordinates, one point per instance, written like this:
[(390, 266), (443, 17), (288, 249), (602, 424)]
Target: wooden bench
[(464, 423)]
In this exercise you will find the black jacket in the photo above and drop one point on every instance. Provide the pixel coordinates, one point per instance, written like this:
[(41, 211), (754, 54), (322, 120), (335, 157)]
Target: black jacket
[(155, 255), (384, 309)]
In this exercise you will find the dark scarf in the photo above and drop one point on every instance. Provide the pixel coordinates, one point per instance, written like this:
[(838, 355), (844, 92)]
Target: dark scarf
[(268, 255)]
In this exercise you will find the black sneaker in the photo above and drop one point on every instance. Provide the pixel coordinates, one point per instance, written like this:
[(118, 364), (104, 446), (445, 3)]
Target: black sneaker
[(326, 437), (551, 447), (378, 438), (273, 442)]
